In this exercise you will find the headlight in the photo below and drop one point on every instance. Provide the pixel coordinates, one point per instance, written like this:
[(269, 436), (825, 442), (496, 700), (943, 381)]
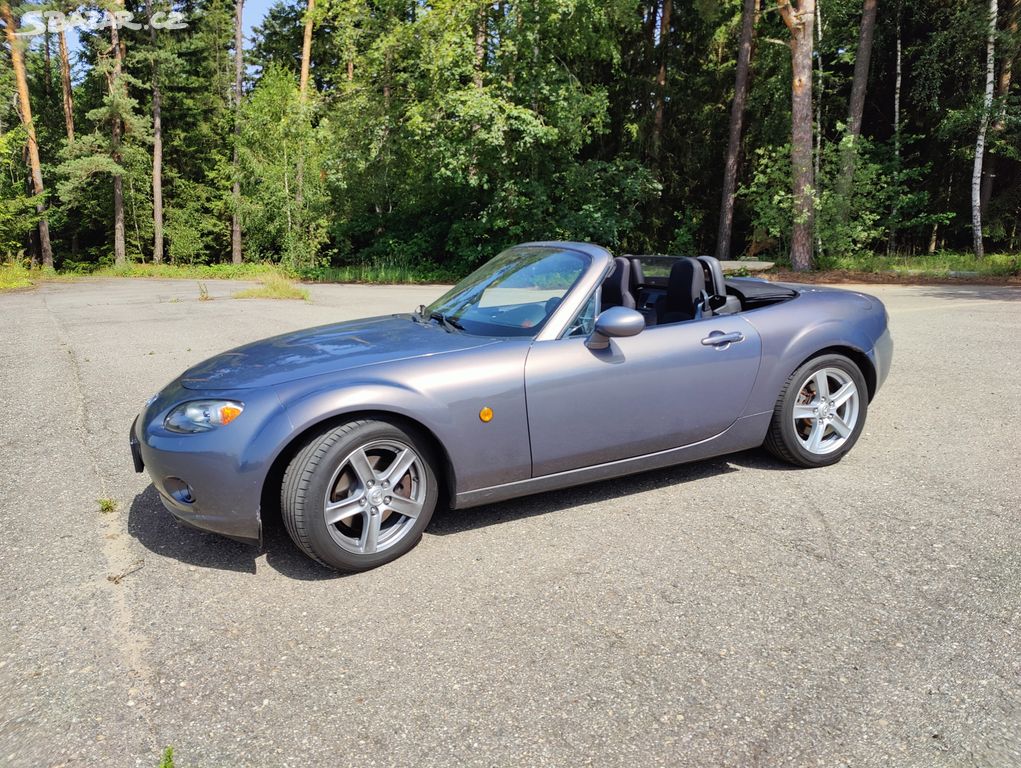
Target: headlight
[(202, 415)]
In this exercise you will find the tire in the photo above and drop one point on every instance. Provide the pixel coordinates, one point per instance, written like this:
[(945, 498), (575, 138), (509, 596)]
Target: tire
[(812, 431), (360, 494)]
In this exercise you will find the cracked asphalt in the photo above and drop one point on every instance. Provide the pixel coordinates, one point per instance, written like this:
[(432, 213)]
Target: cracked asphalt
[(733, 612)]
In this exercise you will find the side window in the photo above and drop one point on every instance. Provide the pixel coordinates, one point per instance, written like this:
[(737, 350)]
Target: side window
[(586, 319)]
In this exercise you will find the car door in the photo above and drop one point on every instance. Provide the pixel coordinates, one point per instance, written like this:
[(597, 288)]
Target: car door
[(669, 386)]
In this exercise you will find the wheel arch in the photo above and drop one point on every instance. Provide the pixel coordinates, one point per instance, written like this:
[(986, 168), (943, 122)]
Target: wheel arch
[(856, 356), (271, 484)]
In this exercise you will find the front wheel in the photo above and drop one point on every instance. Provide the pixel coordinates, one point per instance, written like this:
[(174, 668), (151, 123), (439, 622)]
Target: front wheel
[(359, 495), (820, 413)]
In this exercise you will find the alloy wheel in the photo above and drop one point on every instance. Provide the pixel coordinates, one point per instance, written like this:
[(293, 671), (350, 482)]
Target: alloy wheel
[(826, 411), (374, 497)]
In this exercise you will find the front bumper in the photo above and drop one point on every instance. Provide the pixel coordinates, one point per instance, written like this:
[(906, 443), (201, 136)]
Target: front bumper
[(211, 481), (213, 507), (136, 451), (882, 357)]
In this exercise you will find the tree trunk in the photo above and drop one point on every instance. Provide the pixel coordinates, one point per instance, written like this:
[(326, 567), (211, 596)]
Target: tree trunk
[(480, 44), (68, 99), (819, 98), (306, 49), (306, 59), (891, 245), (478, 77), (800, 21), (980, 143), (157, 150), (861, 68), (65, 82), (25, 111), (1002, 90), (119, 252), (33, 234), (239, 57), (47, 63), (649, 26), (896, 94), (859, 85), (664, 50), (737, 108), (934, 235)]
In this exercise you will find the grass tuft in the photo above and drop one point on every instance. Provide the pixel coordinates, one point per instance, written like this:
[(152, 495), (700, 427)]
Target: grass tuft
[(167, 761), (16, 276), (106, 505), (274, 286)]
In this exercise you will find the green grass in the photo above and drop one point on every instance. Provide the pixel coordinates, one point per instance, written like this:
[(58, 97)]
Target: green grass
[(276, 282), (106, 506), (939, 265), (191, 271), (382, 274), (274, 286), (167, 760), (15, 276)]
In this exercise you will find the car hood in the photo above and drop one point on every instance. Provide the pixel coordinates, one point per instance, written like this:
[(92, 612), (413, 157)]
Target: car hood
[(326, 349)]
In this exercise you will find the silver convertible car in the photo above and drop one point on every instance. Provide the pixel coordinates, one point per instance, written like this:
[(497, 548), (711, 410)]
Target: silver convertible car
[(552, 365)]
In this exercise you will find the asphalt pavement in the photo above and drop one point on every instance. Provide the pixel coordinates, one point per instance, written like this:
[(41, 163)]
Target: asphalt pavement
[(733, 612)]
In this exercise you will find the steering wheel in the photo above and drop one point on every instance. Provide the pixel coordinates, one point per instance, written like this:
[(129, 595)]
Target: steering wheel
[(525, 317)]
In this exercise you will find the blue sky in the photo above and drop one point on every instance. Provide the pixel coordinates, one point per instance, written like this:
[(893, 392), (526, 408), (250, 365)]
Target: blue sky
[(255, 12)]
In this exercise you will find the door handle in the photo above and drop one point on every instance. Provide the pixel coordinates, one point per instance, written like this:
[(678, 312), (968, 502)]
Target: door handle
[(721, 339)]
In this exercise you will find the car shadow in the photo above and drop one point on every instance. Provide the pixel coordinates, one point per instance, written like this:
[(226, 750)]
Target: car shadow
[(159, 532)]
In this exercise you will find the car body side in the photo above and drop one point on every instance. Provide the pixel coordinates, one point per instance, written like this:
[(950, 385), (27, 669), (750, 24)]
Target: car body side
[(441, 394)]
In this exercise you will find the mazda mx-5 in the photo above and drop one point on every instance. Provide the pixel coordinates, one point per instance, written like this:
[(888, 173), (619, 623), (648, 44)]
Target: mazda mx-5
[(553, 364)]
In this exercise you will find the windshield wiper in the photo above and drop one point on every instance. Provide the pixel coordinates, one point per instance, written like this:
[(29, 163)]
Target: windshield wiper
[(449, 323)]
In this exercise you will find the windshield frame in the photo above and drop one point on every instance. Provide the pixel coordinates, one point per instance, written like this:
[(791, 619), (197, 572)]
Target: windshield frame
[(597, 260)]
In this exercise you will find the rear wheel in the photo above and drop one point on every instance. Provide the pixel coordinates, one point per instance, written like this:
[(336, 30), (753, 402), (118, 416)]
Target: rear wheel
[(820, 413), (359, 495)]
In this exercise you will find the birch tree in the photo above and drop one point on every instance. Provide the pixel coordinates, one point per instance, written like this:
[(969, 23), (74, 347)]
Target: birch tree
[(980, 142), (664, 51), (1003, 83)]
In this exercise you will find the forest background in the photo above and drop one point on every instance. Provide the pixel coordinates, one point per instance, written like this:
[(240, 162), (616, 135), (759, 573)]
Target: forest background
[(413, 139)]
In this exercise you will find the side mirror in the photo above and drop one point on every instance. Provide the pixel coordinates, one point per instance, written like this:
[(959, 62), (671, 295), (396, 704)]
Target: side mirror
[(613, 323)]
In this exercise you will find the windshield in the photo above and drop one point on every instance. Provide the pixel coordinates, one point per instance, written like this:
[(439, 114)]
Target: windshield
[(512, 295)]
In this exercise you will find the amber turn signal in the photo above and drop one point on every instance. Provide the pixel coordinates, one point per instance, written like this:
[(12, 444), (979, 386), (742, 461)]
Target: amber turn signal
[(486, 414), (228, 413)]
